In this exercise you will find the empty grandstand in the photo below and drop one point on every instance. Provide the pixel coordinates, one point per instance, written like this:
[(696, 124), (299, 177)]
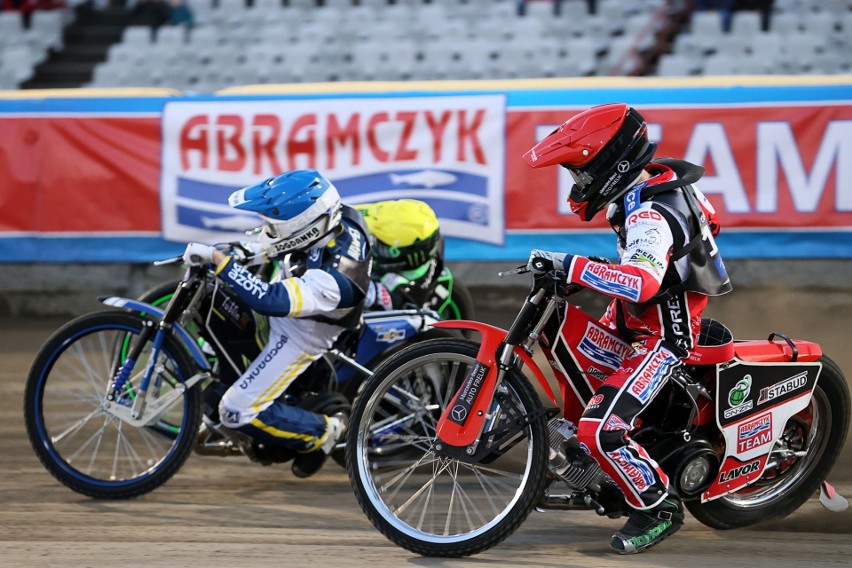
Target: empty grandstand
[(235, 42)]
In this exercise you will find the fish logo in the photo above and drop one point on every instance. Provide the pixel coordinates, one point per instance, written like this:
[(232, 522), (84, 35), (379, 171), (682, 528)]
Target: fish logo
[(230, 223), (425, 178)]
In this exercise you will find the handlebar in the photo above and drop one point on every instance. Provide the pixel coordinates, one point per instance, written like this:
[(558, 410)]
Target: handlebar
[(555, 281), (519, 270), (164, 262)]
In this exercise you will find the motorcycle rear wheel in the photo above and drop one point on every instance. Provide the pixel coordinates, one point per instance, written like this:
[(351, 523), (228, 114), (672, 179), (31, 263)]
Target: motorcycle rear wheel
[(820, 430), (425, 502), (77, 439)]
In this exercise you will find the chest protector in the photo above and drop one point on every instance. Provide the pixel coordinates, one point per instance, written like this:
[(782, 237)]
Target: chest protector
[(343, 255), (707, 274)]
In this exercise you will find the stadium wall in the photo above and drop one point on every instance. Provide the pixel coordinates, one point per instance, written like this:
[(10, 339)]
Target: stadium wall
[(97, 184)]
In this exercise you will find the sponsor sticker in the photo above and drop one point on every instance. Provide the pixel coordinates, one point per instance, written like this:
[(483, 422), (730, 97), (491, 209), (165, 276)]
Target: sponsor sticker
[(241, 277), (645, 216), (603, 347), (652, 375), (735, 473), (595, 401), (616, 423), (390, 336), (468, 393), (608, 280), (781, 388), (737, 398), (639, 473), (754, 433)]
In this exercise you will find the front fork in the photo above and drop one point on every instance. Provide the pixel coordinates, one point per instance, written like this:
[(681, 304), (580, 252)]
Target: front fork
[(467, 416), (153, 367), (142, 411)]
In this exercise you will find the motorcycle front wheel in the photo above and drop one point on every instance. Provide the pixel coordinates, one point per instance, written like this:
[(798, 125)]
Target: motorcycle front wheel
[(420, 499), (799, 462), (69, 424)]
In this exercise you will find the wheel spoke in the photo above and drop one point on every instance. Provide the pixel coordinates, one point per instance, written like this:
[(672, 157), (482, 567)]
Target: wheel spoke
[(80, 373)]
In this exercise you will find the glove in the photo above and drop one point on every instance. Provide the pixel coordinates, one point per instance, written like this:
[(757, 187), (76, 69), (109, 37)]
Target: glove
[(197, 254), (600, 259), (542, 261), (250, 253)]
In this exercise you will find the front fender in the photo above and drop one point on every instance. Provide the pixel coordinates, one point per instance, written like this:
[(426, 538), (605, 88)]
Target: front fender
[(183, 335), (464, 431)]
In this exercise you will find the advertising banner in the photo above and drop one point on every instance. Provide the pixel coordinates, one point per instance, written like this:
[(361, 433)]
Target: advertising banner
[(447, 151), (118, 180)]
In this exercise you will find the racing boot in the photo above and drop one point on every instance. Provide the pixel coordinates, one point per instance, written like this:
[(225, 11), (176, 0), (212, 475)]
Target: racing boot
[(305, 465), (648, 528)]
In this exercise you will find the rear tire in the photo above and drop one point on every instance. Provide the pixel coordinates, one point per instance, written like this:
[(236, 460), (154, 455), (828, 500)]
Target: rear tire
[(428, 503), (820, 430)]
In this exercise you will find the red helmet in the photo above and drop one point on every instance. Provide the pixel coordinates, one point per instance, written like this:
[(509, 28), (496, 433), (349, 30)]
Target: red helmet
[(605, 148)]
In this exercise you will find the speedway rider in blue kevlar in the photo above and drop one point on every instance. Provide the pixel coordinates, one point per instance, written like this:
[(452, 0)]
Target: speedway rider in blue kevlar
[(669, 265), (307, 309)]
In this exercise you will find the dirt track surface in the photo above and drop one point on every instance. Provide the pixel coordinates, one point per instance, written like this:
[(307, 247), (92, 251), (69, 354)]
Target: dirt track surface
[(231, 512)]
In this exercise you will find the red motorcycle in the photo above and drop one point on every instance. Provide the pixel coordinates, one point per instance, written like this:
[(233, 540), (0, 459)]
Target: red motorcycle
[(450, 446)]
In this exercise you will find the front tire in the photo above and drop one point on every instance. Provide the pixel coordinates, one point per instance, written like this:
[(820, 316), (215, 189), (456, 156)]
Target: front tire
[(428, 503), (820, 430), (88, 448)]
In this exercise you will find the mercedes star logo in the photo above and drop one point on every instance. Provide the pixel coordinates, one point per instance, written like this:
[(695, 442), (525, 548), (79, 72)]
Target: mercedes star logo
[(459, 412), (623, 166)]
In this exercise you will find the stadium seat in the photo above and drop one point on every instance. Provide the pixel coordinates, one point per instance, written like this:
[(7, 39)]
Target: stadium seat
[(109, 76), (46, 26), (767, 46), (11, 25), (745, 23), (706, 24), (733, 45), (720, 64), (205, 38), (784, 23), (137, 35), (17, 60), (688, 45), (820, 23), (582, 56), (620, 56), (171, 35), (677, 65)]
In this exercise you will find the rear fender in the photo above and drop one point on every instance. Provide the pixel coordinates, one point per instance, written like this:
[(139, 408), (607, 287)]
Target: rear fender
[(463, 419), (754, 403), (183, 335), (765, 351)]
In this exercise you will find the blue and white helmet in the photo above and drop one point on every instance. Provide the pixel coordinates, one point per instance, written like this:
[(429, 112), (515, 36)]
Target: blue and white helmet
[(301, 208)]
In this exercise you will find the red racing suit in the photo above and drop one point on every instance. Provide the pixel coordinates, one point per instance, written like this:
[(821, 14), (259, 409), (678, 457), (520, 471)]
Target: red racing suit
[(666, 230)]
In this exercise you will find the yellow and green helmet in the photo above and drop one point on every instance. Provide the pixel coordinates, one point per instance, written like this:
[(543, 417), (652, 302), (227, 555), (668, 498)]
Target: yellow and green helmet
[(406, 232)]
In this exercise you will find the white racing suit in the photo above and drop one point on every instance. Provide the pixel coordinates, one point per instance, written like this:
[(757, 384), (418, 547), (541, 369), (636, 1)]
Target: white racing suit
[(659, 292), (307, 313)]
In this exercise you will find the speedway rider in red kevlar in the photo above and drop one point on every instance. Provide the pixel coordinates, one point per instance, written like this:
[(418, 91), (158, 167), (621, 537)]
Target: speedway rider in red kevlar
[(669, 265)]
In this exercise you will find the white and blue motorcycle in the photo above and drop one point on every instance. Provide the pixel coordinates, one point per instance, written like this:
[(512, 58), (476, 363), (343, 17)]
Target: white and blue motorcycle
[(117, 400)]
